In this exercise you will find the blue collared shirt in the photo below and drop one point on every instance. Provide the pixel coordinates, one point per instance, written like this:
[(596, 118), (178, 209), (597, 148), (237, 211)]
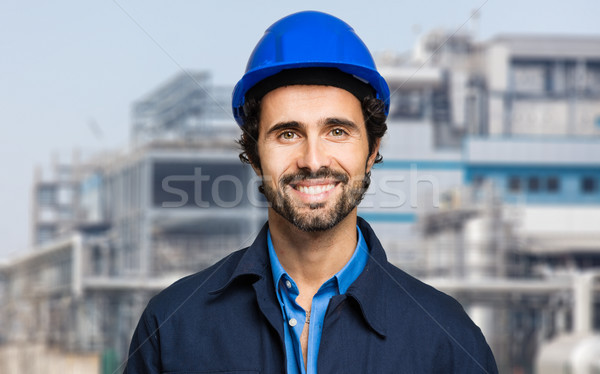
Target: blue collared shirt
[(294, 315)]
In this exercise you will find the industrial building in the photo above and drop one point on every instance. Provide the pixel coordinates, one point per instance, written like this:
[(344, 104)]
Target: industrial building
[(489, 190)]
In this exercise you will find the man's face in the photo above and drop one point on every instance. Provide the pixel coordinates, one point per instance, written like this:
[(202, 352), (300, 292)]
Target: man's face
[(314, 154)]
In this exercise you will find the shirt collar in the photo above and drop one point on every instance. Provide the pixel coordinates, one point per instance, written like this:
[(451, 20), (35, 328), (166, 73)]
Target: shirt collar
[(344, 277), (277, 270)]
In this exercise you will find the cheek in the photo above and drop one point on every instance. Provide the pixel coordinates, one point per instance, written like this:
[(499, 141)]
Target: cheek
[(275, 156), (272, 165)]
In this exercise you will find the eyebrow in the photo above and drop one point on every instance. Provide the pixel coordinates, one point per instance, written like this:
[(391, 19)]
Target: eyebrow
[(292, 125), (330, 121), (340, 122)]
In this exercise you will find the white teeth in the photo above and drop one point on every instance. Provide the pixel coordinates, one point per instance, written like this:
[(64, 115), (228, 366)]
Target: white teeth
[(314, 190)]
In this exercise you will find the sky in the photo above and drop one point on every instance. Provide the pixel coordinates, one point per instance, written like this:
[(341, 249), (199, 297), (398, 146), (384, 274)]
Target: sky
[(70, 70)]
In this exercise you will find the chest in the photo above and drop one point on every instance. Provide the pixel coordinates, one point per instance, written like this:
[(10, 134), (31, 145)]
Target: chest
[(246, 337)]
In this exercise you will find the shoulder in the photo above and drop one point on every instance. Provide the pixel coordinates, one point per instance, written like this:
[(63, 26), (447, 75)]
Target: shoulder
[(415, 294), (436, 320), (428, 309), (194, 288)]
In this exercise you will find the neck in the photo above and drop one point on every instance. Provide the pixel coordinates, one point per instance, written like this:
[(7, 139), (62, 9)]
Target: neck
[(311, 258)]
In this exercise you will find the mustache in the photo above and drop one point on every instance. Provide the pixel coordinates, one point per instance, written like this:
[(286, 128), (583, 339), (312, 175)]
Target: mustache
[(304, 174)]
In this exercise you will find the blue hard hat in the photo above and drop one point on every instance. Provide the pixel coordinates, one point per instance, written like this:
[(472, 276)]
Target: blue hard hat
[(309, 39)]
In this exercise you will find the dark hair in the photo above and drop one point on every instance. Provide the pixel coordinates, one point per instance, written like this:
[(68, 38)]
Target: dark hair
[(373, 112)]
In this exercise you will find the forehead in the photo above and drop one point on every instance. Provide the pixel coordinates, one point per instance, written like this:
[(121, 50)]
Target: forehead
[(309, 103)]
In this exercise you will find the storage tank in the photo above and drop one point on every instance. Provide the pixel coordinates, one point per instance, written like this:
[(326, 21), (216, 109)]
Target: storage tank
[(570, 354), (579, 351)]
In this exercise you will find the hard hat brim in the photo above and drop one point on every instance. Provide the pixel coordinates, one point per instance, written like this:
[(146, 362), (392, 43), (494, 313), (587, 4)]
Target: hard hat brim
[(362, 73)]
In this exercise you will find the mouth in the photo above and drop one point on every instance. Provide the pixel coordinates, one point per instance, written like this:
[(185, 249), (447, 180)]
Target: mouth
[(314, 189)]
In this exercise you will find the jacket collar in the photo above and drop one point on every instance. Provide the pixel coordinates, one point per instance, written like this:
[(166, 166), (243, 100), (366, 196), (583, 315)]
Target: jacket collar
[(368, 289), (254, 261)]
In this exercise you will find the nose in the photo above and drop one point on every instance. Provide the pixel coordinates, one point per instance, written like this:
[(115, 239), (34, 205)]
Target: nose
[(314, 155)]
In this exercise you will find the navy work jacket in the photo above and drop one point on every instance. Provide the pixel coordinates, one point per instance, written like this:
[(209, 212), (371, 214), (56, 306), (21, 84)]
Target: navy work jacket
[(226, 319)]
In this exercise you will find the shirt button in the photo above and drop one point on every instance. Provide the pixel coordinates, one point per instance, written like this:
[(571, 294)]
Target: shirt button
[(288, 284), (293, 322)]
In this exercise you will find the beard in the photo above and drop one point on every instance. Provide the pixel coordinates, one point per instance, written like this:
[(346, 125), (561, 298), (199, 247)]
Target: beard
[(321, 216)]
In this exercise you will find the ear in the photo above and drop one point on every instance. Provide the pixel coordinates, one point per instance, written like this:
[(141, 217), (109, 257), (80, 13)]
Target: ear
[(257, 169), (256, 164), (373, 156)]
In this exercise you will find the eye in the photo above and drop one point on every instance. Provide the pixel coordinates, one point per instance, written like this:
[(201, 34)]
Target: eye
[(338, 132), (288, 135)]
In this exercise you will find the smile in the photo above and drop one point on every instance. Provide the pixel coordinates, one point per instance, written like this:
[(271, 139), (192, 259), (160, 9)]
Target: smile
[(315, 190)]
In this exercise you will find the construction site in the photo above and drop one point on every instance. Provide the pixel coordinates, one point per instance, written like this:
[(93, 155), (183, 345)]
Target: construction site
[(489, 191)]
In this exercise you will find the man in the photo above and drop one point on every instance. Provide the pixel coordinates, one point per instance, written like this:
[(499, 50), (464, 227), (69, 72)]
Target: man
[(314, 292)]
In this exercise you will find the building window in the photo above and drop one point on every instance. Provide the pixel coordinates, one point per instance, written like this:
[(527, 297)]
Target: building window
[(533, 184), (478, 181), (46, 195), (589, 185), (407, 105), (45, 234), (552, 184), (531, 77), (514, 184)]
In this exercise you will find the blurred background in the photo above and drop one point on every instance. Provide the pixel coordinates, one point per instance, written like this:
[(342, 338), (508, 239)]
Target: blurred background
[(121, 172)]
